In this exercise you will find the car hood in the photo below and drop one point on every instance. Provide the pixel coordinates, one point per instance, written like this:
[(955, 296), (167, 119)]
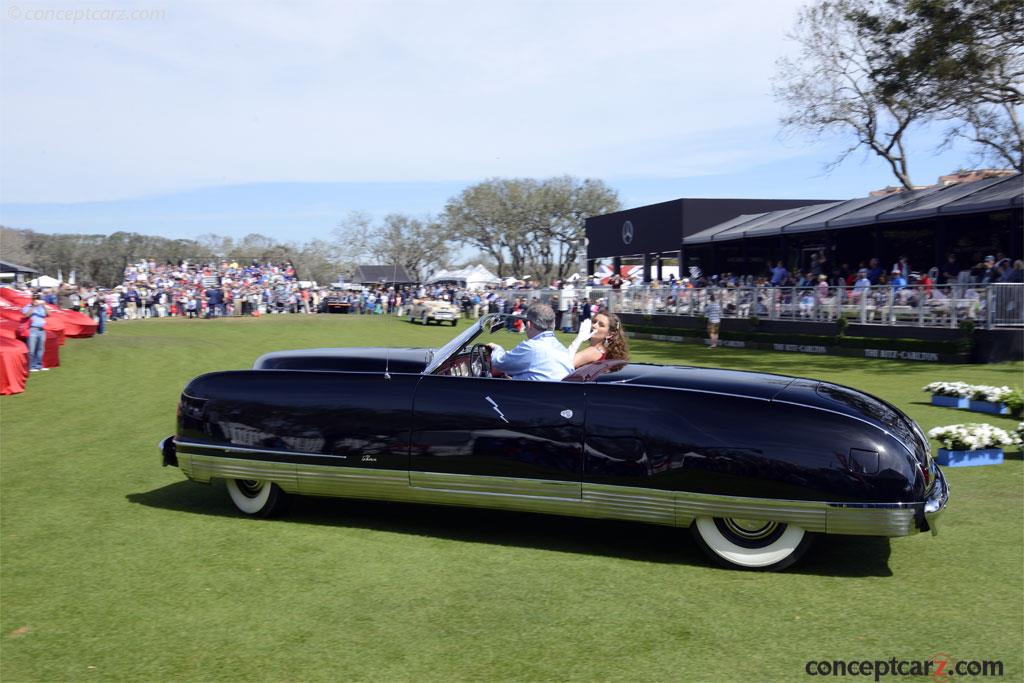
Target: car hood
[(359, 359)]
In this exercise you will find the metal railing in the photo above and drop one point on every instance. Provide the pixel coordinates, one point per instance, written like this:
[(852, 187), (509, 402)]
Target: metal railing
[(986, 305)]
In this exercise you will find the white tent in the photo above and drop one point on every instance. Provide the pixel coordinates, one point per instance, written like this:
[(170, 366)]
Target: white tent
[(473, 277), (45, 281)]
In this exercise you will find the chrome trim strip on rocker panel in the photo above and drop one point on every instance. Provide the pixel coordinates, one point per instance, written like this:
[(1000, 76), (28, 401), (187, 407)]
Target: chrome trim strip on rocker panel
[(654, 506)]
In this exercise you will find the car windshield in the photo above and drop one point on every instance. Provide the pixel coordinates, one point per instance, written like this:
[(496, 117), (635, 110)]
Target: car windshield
[(492, 327)]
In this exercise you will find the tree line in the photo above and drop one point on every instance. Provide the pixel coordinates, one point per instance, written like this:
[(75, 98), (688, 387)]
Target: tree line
[(519, 226), (879, 71)]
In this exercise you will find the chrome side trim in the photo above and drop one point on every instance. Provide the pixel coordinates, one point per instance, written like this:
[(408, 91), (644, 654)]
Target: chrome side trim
[(653, 506), (811, 515), (244, 449), (352, 482), (203, 468), (871, 521), (511, 486)]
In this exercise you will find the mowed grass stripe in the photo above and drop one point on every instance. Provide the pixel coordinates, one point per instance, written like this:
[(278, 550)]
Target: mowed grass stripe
[(114, 568)]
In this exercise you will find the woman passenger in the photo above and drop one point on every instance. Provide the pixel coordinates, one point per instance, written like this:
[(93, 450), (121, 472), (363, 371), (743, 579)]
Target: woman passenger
[(607, 342)]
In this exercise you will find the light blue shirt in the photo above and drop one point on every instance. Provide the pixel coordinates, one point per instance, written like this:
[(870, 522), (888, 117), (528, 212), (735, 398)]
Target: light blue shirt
[(540, 358), (38, 314)]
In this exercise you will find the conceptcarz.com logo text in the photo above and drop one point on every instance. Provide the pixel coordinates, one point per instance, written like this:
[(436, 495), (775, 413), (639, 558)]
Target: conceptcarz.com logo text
[(941, 668)]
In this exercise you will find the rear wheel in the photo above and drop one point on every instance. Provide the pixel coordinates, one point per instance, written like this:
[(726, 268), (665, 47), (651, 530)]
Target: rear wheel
[(256, 497), (751, 543)]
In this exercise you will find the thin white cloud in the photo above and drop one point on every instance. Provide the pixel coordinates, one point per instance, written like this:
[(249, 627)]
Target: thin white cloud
[(236, 92)]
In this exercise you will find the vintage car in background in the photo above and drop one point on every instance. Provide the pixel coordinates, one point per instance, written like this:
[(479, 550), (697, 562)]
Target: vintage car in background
[(754, 464), (425, 311), (338, 300)]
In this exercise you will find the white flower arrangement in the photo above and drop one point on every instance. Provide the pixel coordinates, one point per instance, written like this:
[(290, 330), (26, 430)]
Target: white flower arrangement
[(982, 392), (957, 389), (1019, 434), (979, 392), (974, 436)]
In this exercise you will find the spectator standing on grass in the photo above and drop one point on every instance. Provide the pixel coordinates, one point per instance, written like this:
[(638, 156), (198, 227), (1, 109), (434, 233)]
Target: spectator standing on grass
[(37, 313), (99, 313), (714, 316), (564, 321)]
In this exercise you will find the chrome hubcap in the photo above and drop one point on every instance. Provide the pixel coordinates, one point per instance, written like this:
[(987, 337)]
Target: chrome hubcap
[(750, 533), (250, 487)]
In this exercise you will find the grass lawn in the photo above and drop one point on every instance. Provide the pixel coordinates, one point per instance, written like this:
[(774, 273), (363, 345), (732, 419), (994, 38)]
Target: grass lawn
[(114, 568)]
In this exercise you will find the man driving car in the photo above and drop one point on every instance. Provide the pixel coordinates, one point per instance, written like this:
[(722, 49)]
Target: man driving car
[(540, 356)]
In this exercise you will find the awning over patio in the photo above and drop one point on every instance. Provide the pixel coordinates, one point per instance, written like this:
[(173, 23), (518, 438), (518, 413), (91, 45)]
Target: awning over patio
[(983, 196)]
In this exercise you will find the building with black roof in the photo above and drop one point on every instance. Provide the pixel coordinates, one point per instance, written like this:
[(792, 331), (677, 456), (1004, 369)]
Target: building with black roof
[(18, 273), (655, 232), (747, 236), (970, 220)]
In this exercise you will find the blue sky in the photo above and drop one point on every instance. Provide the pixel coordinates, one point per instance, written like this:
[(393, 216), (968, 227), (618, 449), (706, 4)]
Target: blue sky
[(181, 119)]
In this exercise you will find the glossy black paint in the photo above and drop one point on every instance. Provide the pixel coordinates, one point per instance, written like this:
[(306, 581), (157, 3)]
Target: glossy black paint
[(732, 445), (357, 419), (367, 359), (690, 429), (498, 427)]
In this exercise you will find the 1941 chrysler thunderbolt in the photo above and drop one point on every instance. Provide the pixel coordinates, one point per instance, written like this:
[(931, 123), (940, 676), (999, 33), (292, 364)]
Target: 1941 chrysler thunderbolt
[(755, 464)]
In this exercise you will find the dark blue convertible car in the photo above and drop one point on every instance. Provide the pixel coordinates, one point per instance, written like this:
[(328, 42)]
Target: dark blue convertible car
[(755, 464)]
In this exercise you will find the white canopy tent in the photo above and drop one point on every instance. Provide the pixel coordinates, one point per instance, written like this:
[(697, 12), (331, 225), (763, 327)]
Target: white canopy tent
[(45, 281), (473, 277)]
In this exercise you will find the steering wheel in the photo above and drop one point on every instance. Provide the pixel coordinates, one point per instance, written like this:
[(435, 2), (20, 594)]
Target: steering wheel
[(480, 360)]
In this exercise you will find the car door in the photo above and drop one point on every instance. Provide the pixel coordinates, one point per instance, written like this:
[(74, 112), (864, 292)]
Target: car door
[(487, 435)]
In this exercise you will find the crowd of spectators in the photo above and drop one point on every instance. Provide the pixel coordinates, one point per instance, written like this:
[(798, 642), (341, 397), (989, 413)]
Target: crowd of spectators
[(230, 288), (193, 290), (870, 272), (821, 291)]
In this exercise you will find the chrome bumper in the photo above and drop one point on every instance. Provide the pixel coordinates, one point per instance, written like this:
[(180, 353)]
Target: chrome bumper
[(169, 452), (936, 503)]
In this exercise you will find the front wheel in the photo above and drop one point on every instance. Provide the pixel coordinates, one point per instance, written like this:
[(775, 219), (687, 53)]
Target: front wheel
[(751, 543), (256, 497)]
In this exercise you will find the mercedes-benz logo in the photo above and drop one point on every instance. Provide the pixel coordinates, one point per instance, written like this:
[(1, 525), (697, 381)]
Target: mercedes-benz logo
[(627, 232)]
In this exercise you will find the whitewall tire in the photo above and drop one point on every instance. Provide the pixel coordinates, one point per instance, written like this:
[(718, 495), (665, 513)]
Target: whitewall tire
[(256, 497), (751, 544)]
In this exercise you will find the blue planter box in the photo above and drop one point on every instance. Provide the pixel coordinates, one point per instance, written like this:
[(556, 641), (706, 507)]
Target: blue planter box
[(982, 456), (950, 401), (986, 407)]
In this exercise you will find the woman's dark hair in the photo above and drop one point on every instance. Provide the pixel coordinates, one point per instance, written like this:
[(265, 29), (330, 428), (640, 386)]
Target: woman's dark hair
[(617, 344)]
